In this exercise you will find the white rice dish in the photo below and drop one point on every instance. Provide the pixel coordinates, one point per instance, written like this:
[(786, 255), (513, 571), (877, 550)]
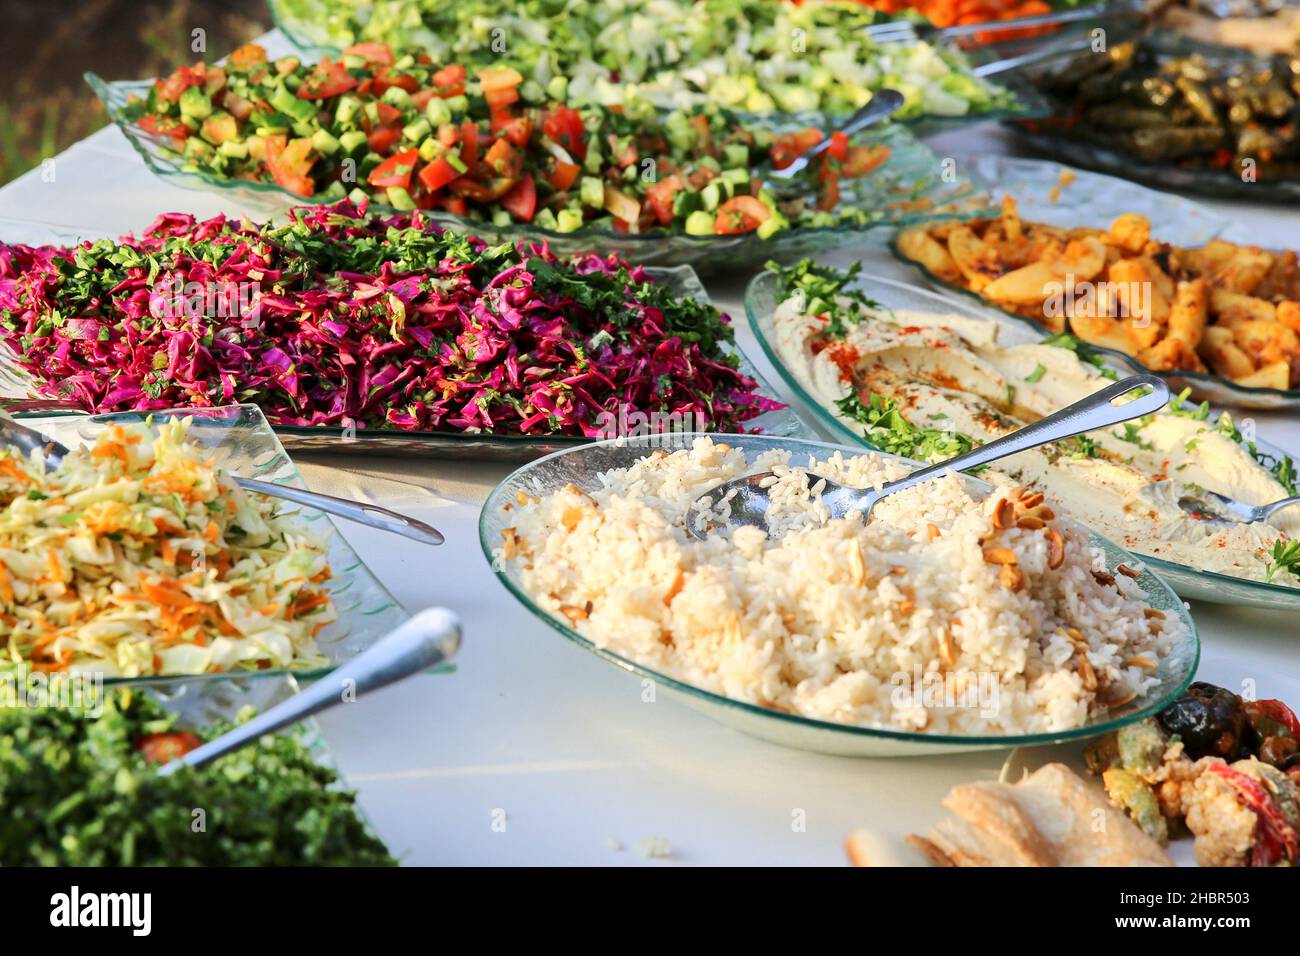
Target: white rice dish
[(840, 620)]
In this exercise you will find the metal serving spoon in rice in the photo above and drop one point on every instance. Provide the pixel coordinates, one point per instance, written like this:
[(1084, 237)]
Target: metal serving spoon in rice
[(744, 501)]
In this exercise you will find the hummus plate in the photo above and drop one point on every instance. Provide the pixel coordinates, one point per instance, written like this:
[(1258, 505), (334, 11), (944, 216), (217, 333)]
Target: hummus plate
[(1104, 482)]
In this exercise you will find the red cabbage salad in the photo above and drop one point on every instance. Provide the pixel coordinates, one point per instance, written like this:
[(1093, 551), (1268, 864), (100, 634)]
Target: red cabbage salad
[(342, 319)]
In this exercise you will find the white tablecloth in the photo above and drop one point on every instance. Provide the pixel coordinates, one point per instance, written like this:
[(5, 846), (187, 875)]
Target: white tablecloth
[(536, 752)]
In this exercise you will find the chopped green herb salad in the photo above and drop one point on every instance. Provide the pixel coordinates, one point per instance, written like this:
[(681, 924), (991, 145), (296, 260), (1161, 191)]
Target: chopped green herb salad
[(83, 790)]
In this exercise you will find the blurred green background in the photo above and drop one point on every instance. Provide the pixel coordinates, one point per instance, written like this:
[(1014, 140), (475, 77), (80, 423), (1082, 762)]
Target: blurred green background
[(46, 45)]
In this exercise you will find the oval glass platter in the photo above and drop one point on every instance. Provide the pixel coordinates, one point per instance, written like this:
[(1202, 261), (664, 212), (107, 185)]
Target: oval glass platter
[(582, 467), (23, 397), (760, 306)]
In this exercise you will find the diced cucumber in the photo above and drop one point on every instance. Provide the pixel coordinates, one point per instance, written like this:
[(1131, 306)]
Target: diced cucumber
[(431, 149), (736, 155), (501, 217), (737, 177), (352, 61), (358, 196), (545, 220), (569, 220), (347, 110), (400, 199), (772, 225), (324, 143), (558, 89), (437, 112), (686, 202), (234, 149), (592, 192), (457, 104), (352, 140), (711, 196), (531, 92), (415, 132), (699, 223), (195, 104), (398, 97)]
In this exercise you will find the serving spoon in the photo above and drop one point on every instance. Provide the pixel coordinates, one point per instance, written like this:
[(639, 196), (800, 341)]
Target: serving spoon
[(747, 499), (883, 103), (430, 638), (1212, 506), (28, 440)]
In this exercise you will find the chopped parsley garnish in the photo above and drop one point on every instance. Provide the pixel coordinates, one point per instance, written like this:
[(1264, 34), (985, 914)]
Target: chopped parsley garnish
[(1085, 352), (1037, 374), (889, 431), (1286, 556), (826, 290)]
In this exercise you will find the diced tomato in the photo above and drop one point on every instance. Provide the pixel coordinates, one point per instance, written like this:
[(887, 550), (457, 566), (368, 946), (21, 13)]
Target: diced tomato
[(456, 205), (498, 100), (396, 170), (660, 197), (517, 129), (563, 175), (1277, 712), (449, 81), (373, 52), (250, 54), (171, 88), (1275, 838), (214, 78), (167, 126), (505, 159), (327, 80), (238, 107), (388, 115), (421, 98), (484, 192), (829, 196), (164, 748), (382, 138), (289, 164), (521, 201), (740, 214), (437, 174), (789, 146), (220, 128), (863, 159), (703, 134), (621, 206), (469, 145), (383, 81), (496, 78), (563, 126), (839, 147)]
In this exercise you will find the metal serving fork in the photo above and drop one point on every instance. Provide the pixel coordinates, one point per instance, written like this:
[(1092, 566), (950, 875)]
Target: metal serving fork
[(28, 440), (747, 498)]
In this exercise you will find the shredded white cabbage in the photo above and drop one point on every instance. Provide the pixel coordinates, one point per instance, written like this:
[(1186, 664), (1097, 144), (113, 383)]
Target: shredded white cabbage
[(138, 556)]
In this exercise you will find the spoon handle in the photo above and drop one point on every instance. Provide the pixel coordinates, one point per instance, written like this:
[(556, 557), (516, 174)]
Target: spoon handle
[(359, 511), (1098, 410), (1267, 511), (426, 640)]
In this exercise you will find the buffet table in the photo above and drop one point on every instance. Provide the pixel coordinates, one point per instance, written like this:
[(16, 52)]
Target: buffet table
[(535, 752)]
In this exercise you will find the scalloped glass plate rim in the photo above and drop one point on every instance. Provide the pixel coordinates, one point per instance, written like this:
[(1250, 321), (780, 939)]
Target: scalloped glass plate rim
[(292, 478), (704, 243), (1289, 395), (810, 723), (758, 325)]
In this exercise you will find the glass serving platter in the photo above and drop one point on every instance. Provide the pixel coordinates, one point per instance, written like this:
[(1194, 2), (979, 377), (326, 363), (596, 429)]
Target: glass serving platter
[(905, 189), (323, 27), (1225, 184), (1192, 583), (21, 396), (242, 442), (1095, 200), (582, 468)]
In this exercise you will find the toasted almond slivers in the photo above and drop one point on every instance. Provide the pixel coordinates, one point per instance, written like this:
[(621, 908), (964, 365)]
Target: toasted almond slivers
[(1003, 514), (1074, 634), (857, 566), (1032, 500), (1011, 577), (509, 543), (1103, 577), (1087, 673), (675, 588), (1055, 549), (575, 613), (908, 604), (571, 518), (1121, 701), (898, 570), (1128, 572), (947, 648), (934, 530), (1151, 612), (1030, 523), (1047, 514), (524, 498), (1146, 663), (1000, 555)]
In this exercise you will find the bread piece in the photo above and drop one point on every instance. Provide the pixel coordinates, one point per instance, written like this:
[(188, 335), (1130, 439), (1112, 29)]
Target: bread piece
[(1050, 818)]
